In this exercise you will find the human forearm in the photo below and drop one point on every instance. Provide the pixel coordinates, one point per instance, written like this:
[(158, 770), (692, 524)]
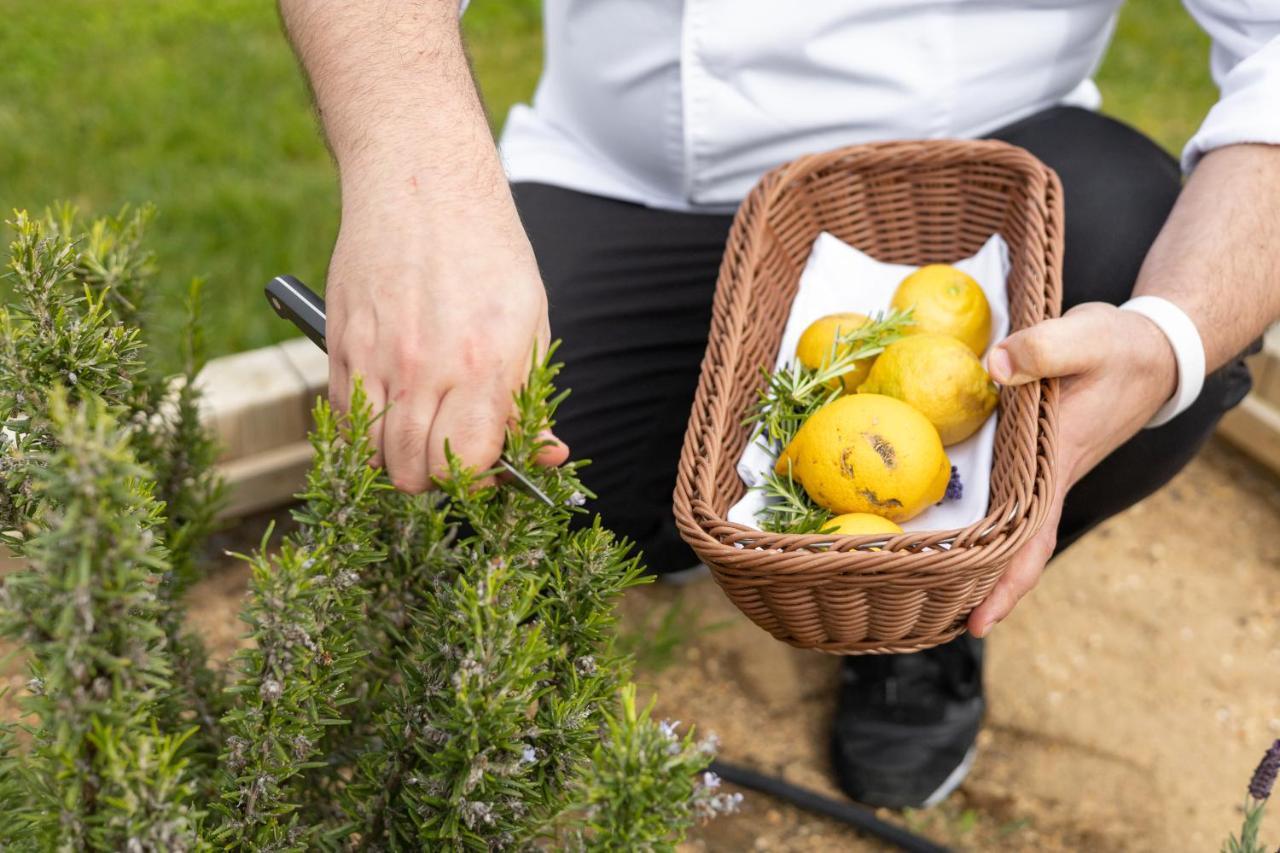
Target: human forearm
[(396, 97), (433, 293), (1218, 256)]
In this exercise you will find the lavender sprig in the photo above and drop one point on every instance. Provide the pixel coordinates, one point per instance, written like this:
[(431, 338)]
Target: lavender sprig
[(1264, 777), (955, 488), (1260, 786)]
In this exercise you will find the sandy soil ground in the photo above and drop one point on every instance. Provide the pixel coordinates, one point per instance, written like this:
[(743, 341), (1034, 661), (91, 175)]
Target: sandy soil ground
[(1130, 696)]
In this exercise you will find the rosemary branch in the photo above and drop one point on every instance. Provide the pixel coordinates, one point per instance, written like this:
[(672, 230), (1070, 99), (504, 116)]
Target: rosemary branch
[(789, 509), (794, 392)]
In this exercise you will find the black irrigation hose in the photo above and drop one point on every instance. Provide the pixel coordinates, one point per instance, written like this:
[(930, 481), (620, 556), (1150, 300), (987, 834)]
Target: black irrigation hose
[(856, 816)]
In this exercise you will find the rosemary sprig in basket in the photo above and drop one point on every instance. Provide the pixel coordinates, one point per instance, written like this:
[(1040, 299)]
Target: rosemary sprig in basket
[(793, 393)]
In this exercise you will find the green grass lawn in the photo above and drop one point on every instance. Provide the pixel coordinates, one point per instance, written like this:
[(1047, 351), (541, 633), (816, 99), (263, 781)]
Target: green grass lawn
[(197, 105)]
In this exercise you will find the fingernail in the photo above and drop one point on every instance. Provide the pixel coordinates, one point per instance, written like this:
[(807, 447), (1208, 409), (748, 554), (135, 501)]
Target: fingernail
[(983, 630), (999, 365)]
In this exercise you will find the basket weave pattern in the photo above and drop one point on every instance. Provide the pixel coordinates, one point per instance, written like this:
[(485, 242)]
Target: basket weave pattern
[(906, 203)]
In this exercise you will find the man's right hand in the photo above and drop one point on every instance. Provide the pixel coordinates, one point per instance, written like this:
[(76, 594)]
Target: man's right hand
[(438, 313), (433, 294)]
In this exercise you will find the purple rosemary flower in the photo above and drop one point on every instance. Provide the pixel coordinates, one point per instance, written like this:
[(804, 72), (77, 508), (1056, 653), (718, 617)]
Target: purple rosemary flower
[(1264, 778)]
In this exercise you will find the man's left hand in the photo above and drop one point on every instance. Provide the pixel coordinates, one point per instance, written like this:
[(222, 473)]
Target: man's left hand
[(1117, 369)]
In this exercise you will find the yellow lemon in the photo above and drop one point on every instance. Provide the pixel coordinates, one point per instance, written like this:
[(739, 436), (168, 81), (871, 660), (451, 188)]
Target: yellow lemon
[(946, 301), (859, 523), (939, 376), (817, 346), (868, 453)]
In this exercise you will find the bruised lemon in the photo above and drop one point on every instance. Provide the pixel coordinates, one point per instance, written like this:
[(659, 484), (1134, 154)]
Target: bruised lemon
[(868, 453), (941, 378), (946, 301), (860, 523), (819, 346)]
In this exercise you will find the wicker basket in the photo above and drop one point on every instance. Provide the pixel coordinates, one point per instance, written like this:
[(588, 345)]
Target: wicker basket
[(906, 203)]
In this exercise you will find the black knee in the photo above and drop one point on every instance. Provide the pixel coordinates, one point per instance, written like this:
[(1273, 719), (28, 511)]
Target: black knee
[(1149, 460), (1118, 189)]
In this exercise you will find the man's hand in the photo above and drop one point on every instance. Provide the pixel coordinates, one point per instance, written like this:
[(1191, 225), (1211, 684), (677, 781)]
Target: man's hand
[(1216, 259), (433, 294), (440, 319), (1117, 369)]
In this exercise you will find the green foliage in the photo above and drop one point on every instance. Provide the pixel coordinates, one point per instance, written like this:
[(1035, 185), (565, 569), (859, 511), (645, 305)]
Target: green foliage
[(506, 668), (792, 393), (1248, 841), (790, 509), (76, 290), (644, 788), (74, 322), (13, 792), (431, 672), (102, 775), (304, 610)]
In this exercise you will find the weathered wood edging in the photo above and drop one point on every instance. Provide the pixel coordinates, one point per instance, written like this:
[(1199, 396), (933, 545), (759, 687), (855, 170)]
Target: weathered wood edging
[(259, 405)]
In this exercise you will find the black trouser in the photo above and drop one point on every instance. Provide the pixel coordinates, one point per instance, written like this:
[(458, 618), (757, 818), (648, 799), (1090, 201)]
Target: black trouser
[(630, 291)]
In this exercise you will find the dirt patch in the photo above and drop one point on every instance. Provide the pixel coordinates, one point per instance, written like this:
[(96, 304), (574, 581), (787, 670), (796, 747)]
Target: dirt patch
[(1130, 695)]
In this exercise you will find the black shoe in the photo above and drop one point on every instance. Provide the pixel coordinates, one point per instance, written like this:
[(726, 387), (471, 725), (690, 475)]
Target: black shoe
[(905, 725)]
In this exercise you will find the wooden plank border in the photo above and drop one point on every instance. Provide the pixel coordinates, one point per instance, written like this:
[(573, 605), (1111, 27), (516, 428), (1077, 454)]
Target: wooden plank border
[(258, 404)]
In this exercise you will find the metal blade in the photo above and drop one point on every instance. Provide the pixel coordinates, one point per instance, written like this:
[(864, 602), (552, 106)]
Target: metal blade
[(524, 482)]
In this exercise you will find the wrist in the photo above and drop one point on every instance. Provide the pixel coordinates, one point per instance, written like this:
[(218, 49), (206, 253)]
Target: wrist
[(441, 219), (1154, 358), (423, 164)]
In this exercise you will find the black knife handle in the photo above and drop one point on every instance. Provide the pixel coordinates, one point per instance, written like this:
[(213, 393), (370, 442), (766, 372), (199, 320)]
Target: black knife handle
[(299, 304)]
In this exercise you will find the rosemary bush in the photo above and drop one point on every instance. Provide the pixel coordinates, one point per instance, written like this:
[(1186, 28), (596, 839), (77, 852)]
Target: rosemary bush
[(433, 672)]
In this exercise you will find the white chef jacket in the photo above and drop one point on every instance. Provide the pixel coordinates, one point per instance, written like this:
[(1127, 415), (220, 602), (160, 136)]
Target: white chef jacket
[(684, 104)]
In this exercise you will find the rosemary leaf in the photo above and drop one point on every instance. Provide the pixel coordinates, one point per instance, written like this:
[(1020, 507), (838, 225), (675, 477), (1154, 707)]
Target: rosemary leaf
[(794, 392)]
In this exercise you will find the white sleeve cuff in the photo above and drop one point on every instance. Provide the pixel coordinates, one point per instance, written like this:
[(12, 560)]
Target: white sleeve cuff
[(1249, 109)]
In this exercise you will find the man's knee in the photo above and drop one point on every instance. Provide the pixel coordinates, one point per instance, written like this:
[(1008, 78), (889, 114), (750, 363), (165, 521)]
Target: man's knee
[(1118, 189), (1151, 458)]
